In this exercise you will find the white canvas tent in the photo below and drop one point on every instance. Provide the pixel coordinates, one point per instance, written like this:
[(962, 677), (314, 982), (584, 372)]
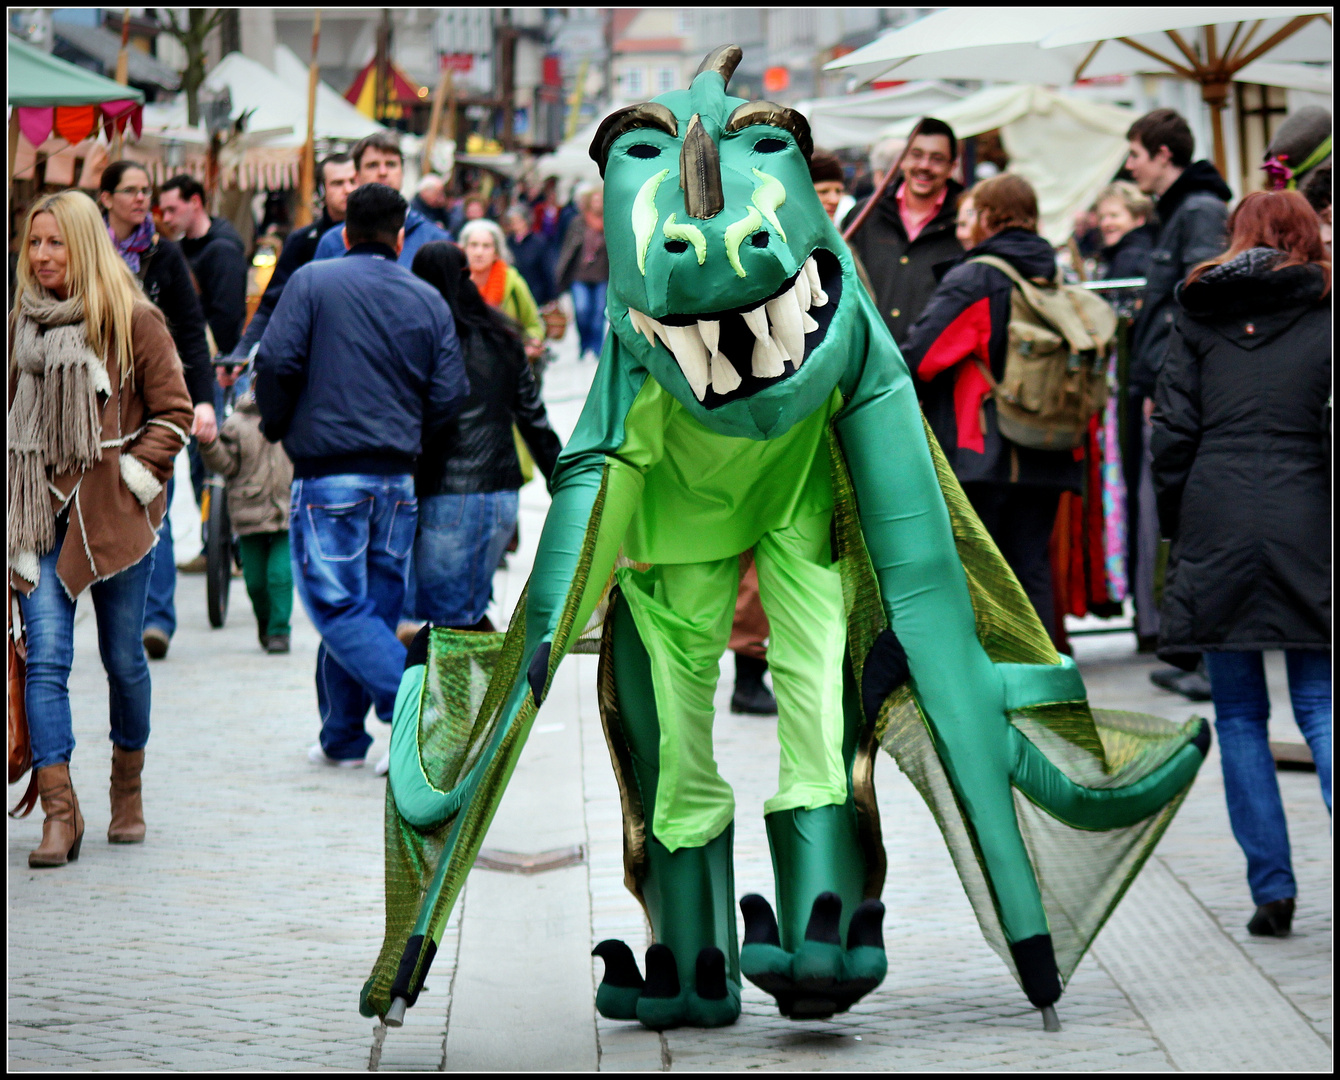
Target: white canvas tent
[(1066, 148), (571, 162), (849, 120)]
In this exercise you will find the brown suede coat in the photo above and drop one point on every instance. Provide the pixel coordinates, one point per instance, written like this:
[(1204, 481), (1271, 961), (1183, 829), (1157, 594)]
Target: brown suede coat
[(112, 528), (258, 472)]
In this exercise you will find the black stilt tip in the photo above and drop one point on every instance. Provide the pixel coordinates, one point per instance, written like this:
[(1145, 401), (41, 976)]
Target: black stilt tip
[(1202, 740), (620, 967), (1050, 1021), (885, 670), (710, 977), (867, 925), (825, 919), (538, 672), (1036, 963), (662, 973), (760, 924)]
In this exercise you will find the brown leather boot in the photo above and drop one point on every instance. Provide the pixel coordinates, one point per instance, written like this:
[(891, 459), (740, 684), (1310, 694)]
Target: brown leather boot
[(127, 825), (63, 829)]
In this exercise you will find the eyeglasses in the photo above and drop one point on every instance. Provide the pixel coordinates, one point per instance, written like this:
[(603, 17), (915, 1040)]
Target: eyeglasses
[(133, 191)]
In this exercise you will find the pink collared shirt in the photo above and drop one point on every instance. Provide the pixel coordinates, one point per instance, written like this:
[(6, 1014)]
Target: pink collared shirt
[(911, 222)]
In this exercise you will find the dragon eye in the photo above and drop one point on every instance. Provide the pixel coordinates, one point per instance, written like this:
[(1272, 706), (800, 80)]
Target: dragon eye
[(644, 150), (770, 146)]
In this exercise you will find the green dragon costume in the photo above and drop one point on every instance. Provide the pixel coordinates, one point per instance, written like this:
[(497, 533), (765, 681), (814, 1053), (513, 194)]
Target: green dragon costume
[(749, 396)]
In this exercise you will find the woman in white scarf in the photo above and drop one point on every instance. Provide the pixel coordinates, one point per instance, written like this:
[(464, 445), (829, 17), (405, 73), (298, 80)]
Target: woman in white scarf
[(98, 409)]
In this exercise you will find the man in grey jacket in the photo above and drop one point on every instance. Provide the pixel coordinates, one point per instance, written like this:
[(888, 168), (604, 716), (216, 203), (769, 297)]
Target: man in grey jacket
[(1192, 209)]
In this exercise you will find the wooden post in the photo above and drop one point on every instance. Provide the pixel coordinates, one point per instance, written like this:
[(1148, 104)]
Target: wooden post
[(434, 120), (450, 131), (13, 145), (123, 77), (307, 168)]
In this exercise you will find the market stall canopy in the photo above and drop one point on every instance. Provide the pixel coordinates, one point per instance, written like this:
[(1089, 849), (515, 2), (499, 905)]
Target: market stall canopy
[(48, 94), (403, 91), (571, 163), (1059, 46), (273, 102), (1041, 129), (335, 117), (857, 119)]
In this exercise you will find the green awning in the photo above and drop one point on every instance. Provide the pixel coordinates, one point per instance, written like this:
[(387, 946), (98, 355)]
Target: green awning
[(39, 79)]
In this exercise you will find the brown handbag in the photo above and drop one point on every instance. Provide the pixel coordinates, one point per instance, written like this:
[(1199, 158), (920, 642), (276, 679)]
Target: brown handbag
[(20, 748)]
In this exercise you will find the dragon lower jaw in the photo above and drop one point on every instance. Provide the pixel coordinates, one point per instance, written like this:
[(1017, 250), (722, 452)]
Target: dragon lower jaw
[(772, 333)]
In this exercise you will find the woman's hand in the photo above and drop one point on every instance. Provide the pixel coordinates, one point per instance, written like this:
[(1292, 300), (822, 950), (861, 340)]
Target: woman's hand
[(206, 425)]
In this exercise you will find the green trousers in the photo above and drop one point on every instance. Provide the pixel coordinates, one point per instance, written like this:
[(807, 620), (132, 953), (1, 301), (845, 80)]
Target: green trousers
[(269, 576), (683, 614)]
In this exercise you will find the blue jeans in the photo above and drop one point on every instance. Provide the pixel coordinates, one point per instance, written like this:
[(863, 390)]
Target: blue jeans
[(461, 538), (351, 538), (48, 614), (160, 605), (1242, 708), (588, 302)]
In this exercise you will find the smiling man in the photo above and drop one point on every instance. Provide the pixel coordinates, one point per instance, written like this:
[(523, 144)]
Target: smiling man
[(912, 228)]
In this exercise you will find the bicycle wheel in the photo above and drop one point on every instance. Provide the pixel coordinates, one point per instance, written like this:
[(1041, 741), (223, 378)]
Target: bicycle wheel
[(218, 557)]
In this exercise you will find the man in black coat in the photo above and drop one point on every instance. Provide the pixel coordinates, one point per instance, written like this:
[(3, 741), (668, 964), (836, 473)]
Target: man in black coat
[(1192, 213), (217, 256), (338, 177), (911, 229)]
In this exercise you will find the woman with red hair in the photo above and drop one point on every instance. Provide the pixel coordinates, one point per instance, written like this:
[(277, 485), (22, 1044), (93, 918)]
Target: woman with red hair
[(1242, 478)]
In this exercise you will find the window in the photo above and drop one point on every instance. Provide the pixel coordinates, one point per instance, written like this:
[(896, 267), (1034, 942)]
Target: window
[(633, 83), (667, 79)]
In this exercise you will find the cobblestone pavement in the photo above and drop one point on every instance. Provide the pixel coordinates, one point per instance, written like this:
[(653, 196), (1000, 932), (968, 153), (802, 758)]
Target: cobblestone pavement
[(238, 936)]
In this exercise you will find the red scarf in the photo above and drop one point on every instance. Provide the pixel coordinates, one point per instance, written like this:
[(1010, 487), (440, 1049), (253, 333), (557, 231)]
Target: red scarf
[(496, 285)]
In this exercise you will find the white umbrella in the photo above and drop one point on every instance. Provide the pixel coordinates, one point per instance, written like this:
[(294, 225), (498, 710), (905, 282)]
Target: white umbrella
[(1058, 46)]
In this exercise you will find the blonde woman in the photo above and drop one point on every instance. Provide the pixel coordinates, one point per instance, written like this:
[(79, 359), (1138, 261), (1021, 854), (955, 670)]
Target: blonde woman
[(98, 411), (1128, 238), (499, 282)]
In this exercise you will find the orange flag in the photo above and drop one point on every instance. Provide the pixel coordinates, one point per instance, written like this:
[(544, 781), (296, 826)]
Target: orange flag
[(75, 123)]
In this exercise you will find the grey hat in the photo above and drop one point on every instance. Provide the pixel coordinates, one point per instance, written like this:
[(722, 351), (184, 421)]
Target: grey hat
[(1299, 138)]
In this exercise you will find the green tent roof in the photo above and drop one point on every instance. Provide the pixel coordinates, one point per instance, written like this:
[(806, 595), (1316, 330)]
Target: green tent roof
[(40, 79)]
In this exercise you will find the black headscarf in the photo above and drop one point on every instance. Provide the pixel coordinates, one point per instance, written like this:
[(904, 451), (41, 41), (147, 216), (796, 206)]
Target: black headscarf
[(442, 264)]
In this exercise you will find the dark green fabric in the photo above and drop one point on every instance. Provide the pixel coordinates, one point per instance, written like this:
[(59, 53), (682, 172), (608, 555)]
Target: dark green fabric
[(268, 573)]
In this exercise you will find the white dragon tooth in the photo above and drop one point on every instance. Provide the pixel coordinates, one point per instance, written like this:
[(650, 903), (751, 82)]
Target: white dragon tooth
[(710, 330), (818, 298), (724, 376), (766, 362), (757, 321), (691, 355), (803, 291), (807, 323), (784, 314), (642, 324)]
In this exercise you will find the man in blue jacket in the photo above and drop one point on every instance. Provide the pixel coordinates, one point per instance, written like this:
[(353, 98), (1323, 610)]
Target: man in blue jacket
[(378, 161), (359, 366)]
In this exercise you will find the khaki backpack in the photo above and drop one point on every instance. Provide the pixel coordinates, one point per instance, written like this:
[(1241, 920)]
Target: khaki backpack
[(1055, 375)]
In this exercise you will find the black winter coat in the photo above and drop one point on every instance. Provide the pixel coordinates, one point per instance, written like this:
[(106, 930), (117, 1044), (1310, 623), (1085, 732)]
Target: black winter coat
[(968, 317), (299, 250), (1128, 257), (475, 452), (166, 277), (902, 271), (219, 261), (1241, 472), (1192, 217)]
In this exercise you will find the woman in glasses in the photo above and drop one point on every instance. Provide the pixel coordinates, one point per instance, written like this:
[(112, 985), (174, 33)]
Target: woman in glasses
[(98, 411), (125, 195)]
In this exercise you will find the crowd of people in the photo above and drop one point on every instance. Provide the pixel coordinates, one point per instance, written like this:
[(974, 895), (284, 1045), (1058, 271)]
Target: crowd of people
[(386, 410)]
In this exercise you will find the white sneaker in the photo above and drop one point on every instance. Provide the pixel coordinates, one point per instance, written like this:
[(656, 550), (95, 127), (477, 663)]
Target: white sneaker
[(384, 765), (318, 756)]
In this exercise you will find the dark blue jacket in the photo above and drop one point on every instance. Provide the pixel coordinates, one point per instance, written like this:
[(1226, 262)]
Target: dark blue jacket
[(419, 230), (359, 365)]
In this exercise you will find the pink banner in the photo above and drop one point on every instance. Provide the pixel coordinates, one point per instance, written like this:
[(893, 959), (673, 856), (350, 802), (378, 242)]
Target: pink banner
[(36, 122), (113, 109)]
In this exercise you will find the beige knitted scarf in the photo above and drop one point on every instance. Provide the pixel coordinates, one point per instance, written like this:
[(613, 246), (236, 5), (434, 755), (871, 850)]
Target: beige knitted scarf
[(55, 421)]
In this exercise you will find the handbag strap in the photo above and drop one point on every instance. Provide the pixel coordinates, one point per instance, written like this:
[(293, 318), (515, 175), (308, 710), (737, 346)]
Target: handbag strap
[(29, 800)]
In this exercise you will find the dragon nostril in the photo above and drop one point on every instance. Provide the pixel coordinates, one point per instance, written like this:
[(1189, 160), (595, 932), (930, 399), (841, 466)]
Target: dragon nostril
[(759, 239), (676, 246)]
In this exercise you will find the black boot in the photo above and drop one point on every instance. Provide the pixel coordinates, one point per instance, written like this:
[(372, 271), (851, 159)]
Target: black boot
[(1274, 919), (751, 696)]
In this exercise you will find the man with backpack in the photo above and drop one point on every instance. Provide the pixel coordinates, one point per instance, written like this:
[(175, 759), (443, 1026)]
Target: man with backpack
[(1022, 361)]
